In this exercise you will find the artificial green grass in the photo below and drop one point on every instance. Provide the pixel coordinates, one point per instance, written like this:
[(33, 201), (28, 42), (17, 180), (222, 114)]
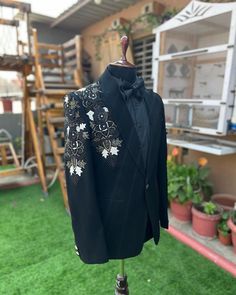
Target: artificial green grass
[(7, 167), (37, 256)]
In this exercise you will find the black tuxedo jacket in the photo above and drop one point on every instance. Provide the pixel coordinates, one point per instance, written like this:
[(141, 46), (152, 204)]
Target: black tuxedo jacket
[(115, 203)]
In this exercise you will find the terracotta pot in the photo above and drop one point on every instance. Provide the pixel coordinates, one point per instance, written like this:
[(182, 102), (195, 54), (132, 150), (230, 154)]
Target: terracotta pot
[(203, 224), (225, 240), (181, 211), (232, 226), (225, 201), (7, 105)]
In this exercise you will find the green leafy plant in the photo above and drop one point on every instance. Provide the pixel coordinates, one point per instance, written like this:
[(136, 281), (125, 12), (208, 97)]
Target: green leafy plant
[(148, 21), (209, 208), (223, 226), (188, 182), (199, 178), (180, 185), (168, 14)]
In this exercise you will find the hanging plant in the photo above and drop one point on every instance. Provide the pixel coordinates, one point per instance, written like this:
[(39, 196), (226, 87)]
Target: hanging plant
[(97, 42), (149, 21), (124, 29), (168, 14)]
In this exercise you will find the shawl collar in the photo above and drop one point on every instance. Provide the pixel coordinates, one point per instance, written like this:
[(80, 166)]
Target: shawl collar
[(120, 113)]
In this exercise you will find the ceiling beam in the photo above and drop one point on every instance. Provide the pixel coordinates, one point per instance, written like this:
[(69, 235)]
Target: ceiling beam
[(69, 12)]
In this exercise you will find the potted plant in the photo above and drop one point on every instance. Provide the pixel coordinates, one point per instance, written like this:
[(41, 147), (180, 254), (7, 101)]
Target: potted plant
[(7, 105), (206, 216), (199, 176), (181, 196), (180, 202), (232, 225), (224, 232), (226, 201), (186, 184)]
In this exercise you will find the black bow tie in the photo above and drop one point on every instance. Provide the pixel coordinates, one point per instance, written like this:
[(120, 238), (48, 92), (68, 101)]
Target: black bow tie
[(132, 89)]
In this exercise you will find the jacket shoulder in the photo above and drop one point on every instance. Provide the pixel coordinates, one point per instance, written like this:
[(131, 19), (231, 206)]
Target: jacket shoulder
[(71, 99), (87, 91), (157, 97)]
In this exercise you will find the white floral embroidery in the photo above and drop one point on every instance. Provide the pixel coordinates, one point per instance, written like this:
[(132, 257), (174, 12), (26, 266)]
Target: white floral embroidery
[(75, 135), (80, 127), (105, 153), (90, 115), (114, 150), (66, 98), (105, 136), (104, 130)]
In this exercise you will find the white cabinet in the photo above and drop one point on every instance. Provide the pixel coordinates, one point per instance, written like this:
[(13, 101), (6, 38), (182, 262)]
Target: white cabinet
[(194, 67)]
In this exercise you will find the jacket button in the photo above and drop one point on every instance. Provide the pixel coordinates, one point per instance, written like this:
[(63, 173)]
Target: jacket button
[(147, 186)]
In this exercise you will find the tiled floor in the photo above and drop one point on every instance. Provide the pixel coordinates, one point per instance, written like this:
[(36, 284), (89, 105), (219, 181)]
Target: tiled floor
[(213, 244)]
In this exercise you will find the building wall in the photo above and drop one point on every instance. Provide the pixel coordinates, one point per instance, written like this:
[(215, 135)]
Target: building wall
[(223, 168), (129, 13)]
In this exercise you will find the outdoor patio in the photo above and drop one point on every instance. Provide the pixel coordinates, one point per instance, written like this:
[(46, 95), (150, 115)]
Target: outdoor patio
[(59, 124), (37, 256)]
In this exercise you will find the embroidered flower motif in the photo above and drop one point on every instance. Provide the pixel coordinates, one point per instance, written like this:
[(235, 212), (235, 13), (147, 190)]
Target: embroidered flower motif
[(90, 115), (66, 99), (80, 127), (75, 135), (104, 132)]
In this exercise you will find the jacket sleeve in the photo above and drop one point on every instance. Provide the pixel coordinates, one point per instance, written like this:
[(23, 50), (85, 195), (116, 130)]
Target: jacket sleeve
[(162, 169), (85, 215)]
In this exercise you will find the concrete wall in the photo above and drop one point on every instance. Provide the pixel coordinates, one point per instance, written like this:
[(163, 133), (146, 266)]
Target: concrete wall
[(223, 170)]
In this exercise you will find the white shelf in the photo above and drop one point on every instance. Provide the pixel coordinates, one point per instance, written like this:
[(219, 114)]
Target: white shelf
[(203, 144)]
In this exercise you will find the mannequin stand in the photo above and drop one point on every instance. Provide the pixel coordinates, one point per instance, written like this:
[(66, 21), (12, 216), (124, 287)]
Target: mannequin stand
[(121, 281)]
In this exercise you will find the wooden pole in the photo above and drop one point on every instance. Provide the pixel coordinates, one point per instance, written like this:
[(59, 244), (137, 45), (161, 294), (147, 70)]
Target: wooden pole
[(122, 267)]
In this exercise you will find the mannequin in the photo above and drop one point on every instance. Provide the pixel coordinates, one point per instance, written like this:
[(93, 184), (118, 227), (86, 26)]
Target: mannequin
[(115, 166), (127, 74)]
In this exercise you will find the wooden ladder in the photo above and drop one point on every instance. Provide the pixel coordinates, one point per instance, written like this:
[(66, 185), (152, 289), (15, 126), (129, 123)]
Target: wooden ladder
[(54, 119), (53, 65)]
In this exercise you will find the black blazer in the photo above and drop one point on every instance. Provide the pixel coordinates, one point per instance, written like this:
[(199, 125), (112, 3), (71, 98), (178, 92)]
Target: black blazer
[(115, 206)]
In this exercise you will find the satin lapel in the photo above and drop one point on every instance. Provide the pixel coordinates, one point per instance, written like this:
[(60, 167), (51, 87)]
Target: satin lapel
[(120, 113)]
